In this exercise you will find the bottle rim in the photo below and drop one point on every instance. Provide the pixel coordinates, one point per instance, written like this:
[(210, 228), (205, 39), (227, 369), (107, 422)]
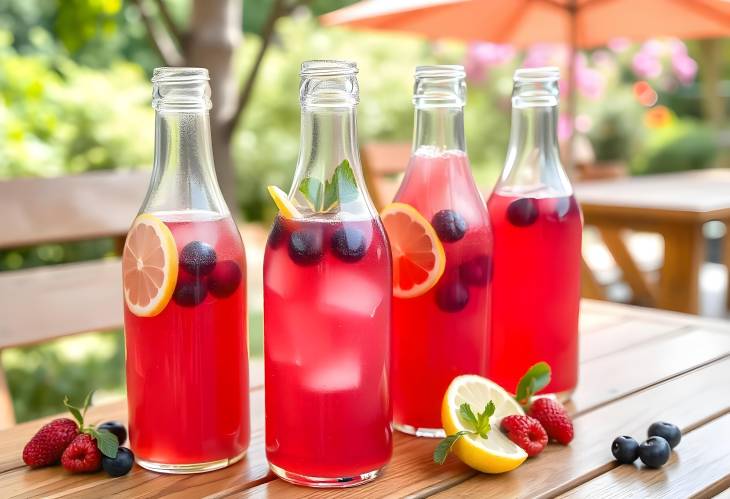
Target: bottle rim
[(328, 67), (537, 75), (440, 71), (179, 74)]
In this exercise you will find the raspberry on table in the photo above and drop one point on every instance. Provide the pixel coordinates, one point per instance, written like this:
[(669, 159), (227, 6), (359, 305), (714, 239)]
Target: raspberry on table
[(554, 418), (526, 432), (82, 455), (48, 444)]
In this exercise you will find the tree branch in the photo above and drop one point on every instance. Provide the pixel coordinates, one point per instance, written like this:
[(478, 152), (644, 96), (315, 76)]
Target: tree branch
[(169, 22), (279, 9), (160, 38)]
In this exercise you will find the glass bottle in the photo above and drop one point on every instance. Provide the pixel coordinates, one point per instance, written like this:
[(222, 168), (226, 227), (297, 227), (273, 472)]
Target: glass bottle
[(537, 232), (442, 333), (327, 302), (184, 272)]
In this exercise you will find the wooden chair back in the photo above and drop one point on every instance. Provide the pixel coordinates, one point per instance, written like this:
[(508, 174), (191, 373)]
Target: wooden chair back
[(383, 165)]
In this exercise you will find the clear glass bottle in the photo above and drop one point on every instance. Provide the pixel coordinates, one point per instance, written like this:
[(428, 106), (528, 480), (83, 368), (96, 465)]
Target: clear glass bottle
[(184, 273), (327, 303), (537, 231), (442, 333)]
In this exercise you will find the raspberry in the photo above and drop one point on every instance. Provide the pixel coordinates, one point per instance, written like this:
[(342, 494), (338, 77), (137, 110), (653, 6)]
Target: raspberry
[(526, 432), (554, 418), (82, 456), (48, 444)]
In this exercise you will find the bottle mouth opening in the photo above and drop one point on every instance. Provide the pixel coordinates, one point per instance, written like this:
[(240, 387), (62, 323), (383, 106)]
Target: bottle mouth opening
[(328, 67), (537, 75), (444, 71), (179, 75)]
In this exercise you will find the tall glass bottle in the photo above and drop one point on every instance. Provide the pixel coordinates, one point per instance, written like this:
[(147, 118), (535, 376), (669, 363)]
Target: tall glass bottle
[(327, 302), (184, 273), (537, 232), (442, 333)]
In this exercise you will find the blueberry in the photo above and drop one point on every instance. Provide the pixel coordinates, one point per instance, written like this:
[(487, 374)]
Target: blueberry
[(277, 234), (224, 279), (116, 428), (449, 225), (305, 246), (190, 290), (522, 212), (198, 258), (654, 453), (669, 432), (625, 449), (348, 244), (451, 294), (477, 271), (119, 465)]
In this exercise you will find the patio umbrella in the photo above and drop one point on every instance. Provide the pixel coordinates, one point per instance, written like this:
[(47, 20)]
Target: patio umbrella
[(578, 23)]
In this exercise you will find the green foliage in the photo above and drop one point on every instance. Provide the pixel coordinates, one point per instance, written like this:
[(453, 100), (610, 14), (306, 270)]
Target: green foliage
[(617, 127), (682, 145)]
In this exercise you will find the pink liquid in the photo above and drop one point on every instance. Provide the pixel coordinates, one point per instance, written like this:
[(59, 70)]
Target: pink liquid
[(436, 339), (326, 346), (187, 368), (536, 288)]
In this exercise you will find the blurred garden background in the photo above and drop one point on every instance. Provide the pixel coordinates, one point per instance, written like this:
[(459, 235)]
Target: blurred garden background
[(74, 81)]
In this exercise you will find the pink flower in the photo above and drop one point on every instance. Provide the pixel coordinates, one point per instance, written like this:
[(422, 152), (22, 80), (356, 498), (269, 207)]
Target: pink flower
[(646, 64), (619, 45), (684, 67), (565, 127), (483, 55)]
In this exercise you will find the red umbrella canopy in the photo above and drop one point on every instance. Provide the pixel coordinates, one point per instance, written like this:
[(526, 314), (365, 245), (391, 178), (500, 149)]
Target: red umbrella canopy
[(580, 23)]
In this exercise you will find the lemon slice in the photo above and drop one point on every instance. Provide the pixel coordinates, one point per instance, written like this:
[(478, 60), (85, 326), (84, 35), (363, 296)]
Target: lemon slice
[(286, 207), (496, 454), (149, 266), (419, 259)]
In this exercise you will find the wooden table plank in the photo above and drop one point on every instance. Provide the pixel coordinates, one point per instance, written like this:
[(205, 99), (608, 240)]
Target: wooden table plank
[(689, 401), (704, 455)]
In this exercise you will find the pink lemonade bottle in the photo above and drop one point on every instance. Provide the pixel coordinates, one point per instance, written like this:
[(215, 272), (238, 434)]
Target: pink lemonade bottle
[(442, 333), (327, 302), (537, 245), (184, 274)]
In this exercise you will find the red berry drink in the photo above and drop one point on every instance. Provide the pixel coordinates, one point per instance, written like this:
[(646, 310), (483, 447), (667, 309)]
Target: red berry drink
[(187, 369), (536, 287), (327, 322), (443, 333), (537, 245)]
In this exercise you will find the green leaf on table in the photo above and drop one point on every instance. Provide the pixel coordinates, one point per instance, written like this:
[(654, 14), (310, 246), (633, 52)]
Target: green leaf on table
[(468, 415), (106, 441), (535, 379), (75, 412), (444, 447)]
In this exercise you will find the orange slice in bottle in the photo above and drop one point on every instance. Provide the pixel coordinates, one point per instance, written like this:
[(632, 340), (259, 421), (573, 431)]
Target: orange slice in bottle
[(149, 266), (418, 255)]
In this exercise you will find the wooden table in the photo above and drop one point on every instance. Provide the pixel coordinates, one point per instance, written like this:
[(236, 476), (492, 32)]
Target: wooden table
[(674, 205), (637, 366)]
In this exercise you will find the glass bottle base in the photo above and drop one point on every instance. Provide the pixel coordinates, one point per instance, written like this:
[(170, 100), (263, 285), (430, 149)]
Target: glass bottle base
[(325, 483), (184, 469), (420, 432)]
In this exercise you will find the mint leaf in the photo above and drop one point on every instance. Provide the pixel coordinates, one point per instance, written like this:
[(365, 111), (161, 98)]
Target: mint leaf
[(342, 187), (106, 441), (483, 425), (313, 192), (444, 447), (75, 412), (87, 401), (535, 379), (468, 416)]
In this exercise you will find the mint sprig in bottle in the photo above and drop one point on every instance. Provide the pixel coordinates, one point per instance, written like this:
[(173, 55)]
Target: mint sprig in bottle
[(327, 299)]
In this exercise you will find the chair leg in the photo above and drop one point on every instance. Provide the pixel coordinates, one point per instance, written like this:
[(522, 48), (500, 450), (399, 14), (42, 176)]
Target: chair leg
[(7, 414)]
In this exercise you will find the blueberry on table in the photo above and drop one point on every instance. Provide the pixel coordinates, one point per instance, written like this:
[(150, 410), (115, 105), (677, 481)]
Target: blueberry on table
[(224, 279), (119, 465), (625, 449), (348, 244), (198, 258), (190, 290), (669, 432), (654, 453), (522, 212), (449, 225), (116, 428), (477, 271), (305, 246), (451, 295)]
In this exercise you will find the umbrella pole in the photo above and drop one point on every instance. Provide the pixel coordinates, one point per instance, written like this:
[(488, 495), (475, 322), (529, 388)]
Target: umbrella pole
[(572, 81)]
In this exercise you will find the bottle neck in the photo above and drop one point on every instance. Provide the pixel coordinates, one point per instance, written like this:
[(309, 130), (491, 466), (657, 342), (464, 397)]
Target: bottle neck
[(183, 175), (533, 157), (439, 128)]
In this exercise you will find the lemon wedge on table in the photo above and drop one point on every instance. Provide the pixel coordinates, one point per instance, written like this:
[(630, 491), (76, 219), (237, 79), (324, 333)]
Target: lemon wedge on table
[(496, 454), (286, 207)]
